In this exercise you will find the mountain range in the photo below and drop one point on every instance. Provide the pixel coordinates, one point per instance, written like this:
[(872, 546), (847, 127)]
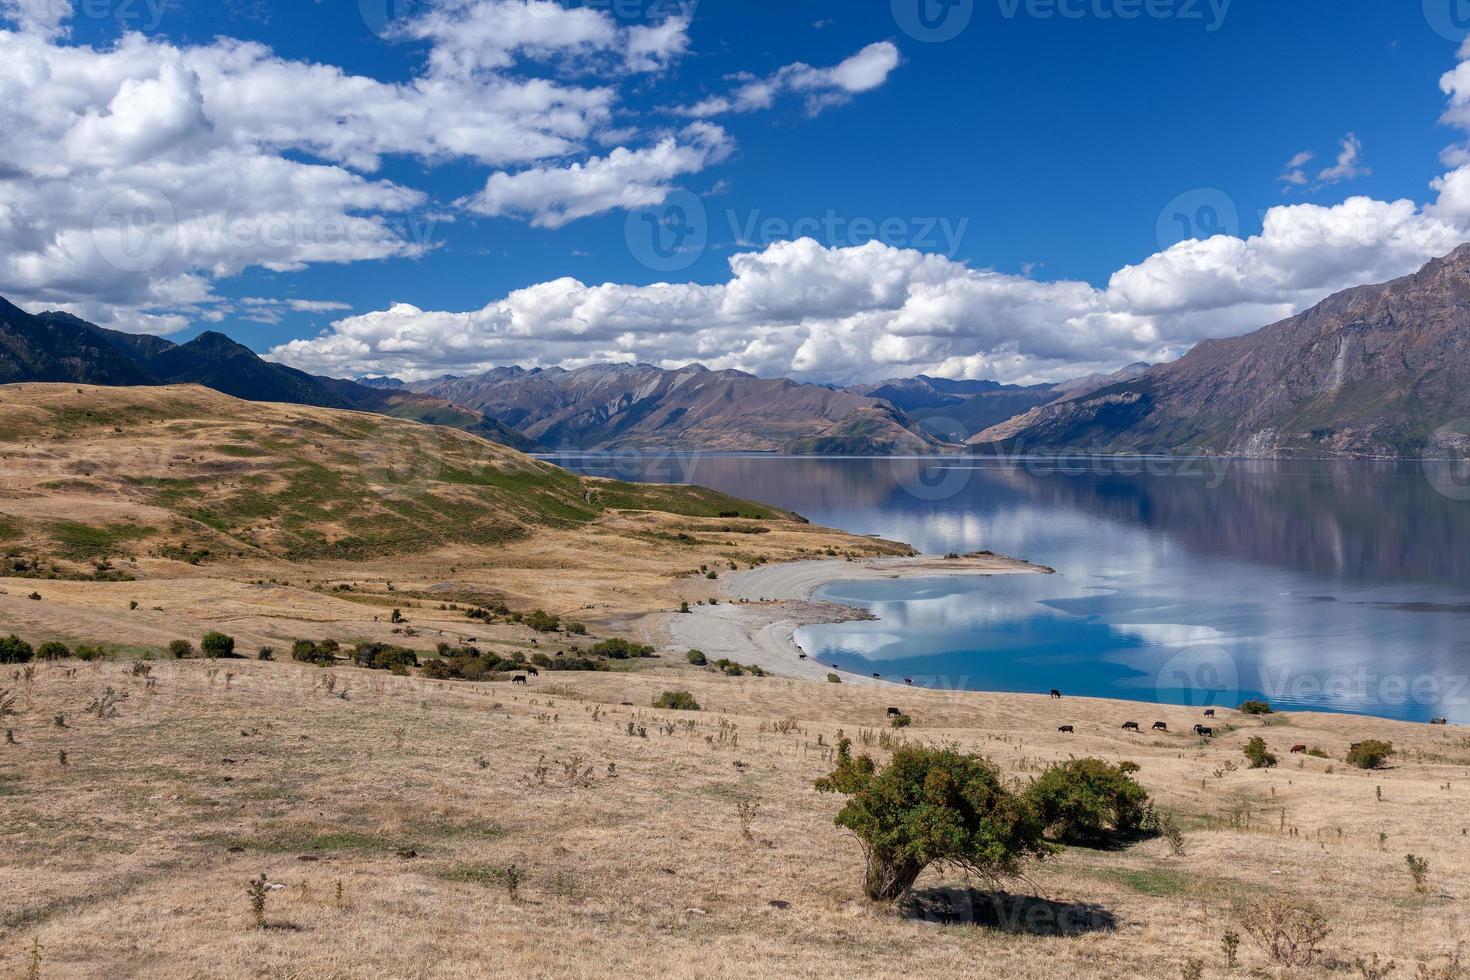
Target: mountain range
[(1378, 370), (56, 346), (1381, 370)]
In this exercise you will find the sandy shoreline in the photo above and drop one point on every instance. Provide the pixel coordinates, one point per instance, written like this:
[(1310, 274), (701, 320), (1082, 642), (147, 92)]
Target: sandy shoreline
[(762, 608)]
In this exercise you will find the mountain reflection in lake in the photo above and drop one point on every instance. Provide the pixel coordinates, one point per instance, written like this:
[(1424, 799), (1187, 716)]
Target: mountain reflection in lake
[(1327, 585)]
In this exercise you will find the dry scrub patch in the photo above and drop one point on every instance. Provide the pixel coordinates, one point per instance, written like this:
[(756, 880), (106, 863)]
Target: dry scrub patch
[(477, 829)]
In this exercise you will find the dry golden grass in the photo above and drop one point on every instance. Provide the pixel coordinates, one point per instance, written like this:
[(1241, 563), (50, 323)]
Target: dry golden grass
[(133, 858)]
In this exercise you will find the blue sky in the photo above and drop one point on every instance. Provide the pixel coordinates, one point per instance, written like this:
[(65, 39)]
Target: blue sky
[(1045, 148)]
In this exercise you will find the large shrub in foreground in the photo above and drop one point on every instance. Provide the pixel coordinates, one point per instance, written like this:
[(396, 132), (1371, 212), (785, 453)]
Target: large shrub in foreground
[(14, 650), (932, 805), (1088, 801)]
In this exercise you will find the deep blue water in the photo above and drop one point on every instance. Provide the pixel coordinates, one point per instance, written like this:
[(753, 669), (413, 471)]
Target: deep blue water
[(1339, 586)]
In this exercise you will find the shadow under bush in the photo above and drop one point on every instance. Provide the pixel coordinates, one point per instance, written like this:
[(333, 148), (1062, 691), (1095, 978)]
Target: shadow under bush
[(1030, 914)]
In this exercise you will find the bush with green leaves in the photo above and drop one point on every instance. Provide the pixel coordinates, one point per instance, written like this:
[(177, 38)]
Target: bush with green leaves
[(1255, 706), (215, 644), (932, 805), (677, 701), (620, 649), (833, 678), (542, 621), (1369, 754), (1089, 801), (901, 720), (323, 654), (179, 649), (14, 650), (697, 658), (52, 650), (1258, 755), (576, 629), (384, 656)]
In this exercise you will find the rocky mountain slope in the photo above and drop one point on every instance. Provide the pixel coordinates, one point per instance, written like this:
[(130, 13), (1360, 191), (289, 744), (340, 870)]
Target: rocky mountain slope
[(617, 406), (59, 347), (1371, 371)]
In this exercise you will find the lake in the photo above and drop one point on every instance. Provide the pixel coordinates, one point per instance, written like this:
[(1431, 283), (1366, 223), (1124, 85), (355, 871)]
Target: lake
[(1341, 586)]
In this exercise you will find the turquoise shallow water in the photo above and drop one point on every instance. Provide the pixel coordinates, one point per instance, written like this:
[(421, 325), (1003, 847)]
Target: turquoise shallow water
[(1324, 585)]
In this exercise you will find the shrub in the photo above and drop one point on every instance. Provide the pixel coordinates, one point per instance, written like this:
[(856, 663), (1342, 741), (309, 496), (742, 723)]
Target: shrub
[(1256, 752), (14, 650), (323, 654), (1287, 929), (542, 621), (931, 805), (901, 721), (217, 645), (576, 629), (676, 700), (52, 651), (620, 649), (266, 653), (383, 656), (833, 678), (1088, 801), (540, 659), (179, 649), (88, 653), (1418, 870), (1255, 706), (684, 607), (697, 658), (1369, 754)]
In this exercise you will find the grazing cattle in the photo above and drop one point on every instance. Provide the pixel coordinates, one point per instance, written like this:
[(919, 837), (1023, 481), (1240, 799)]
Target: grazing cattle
[(801, 656), (518, 679), (533, 671), (1202, 730), (1055, 693), (877, 676), (908, 680), (1439, 721), (1067, 730), (892, 712), (1209, 712), (1160, 726), (1130, 726), (1298, 748)]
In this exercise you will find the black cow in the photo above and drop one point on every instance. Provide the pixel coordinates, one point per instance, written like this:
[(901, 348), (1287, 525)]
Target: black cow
[(1159, 726), (1202, 730), (1055, 693), (1130, 726), (877, 676), (908, 680), (893, 712), (801, 656), (1209, 712), (1067, 730), (518, 679), (533, 671), (1439, 721)]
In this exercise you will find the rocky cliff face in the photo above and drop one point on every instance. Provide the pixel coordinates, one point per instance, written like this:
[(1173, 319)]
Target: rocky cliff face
[(612, 406), (1371, 371)]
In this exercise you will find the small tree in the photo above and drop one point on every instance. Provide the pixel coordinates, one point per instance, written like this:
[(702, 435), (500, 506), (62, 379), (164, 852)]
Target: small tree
[(931, 805), (52, 651), (217, 645), (1255, 706), (697, 658), (542, 621), (1260, 758), (1369, 754), (179, 649), (677, 700), (1088, 801), (14, 650)]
